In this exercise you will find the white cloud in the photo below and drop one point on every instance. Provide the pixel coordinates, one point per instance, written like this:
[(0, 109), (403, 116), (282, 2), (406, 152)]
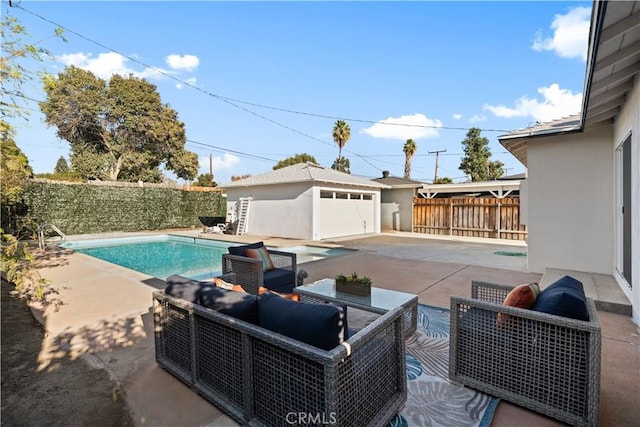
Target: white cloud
[(457, 116), (478, 118), (184, 62), (570, 34), (192, 81), (556, 103), (227, 161), (391, 129), (107, 64)]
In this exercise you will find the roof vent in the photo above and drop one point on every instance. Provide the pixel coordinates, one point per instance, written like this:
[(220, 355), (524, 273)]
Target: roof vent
[(385, 174)]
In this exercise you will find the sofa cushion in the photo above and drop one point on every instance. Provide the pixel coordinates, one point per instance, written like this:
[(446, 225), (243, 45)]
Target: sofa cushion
[(263, 255), (280, 280), (240, 250), (220, 283), (185, 288), (565, 297), (320, 325), (240, 305)]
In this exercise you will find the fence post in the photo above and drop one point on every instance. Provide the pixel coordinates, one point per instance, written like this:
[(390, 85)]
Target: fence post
[(451, 218), (498, 220)]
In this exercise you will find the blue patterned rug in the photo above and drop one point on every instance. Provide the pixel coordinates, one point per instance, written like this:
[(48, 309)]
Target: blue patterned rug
[(431, 399)]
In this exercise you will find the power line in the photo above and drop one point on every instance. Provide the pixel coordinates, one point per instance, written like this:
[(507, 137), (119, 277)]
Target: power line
[(234, 101)]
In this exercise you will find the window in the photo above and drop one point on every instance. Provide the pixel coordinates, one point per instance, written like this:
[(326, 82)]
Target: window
[(367, 197), (326, 194), (342, 195)]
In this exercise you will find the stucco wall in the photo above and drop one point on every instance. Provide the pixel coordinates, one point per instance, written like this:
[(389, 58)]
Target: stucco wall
[(570, 194), (398, 214), (284, 210), (628, 122)]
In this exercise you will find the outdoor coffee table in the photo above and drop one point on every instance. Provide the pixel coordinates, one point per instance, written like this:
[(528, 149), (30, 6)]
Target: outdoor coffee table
[(380, 301)]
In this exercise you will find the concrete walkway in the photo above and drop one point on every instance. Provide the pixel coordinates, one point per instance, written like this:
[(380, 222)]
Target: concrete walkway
[(107, 320)]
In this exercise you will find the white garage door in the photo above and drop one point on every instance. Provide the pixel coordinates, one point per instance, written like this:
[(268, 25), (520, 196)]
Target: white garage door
[(345, 213)]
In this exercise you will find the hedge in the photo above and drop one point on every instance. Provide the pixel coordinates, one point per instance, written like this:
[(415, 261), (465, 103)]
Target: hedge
[(88, 208)]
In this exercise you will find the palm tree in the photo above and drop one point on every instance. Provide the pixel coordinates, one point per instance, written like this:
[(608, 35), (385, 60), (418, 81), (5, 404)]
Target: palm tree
[(341, 134), (409, 149)]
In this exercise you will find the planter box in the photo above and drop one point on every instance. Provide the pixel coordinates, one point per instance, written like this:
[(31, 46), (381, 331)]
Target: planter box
[(352, 287)]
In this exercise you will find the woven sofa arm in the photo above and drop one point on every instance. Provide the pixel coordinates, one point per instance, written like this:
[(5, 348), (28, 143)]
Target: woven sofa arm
[(249, 271), (491, 292), (280, 259)]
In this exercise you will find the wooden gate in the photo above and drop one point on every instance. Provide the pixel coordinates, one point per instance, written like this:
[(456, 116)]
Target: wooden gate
[(469, 216)]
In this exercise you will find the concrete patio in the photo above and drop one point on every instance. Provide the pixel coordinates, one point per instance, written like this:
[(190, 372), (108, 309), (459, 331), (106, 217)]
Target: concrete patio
[(107, 320)]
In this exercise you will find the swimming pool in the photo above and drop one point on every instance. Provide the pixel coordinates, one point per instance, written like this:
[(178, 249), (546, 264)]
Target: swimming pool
[(163, 255)]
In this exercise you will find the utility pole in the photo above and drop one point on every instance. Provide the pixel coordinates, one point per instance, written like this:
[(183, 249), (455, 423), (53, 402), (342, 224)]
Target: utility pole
[(437, 153), (211, 166)]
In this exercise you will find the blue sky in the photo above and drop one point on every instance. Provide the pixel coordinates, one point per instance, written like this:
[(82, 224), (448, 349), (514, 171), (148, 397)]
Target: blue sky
[(256, 82)]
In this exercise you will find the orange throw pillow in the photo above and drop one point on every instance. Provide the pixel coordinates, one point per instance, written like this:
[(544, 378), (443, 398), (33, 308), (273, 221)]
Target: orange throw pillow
[(292, 297), (229, 286), (522, 296)]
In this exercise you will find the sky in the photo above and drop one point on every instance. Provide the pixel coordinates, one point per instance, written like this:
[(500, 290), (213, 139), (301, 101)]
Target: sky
[(257, 82)]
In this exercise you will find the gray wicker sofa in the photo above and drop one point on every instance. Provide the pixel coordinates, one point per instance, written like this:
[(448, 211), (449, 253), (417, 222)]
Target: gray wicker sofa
[(262, 378), (545, 362), (251, 275)]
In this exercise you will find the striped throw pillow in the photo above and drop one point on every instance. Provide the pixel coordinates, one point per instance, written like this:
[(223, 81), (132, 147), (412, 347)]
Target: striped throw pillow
[(261, 254)]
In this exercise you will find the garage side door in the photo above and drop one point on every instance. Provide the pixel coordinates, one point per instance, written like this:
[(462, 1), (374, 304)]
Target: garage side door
[(345, 214)]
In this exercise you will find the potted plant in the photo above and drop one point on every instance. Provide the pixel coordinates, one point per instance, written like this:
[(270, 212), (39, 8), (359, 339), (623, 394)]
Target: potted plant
[(353, 284)]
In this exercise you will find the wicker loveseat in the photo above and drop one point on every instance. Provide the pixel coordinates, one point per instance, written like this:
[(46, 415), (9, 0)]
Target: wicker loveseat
[(259, 377), (547, 363), (251, 274)]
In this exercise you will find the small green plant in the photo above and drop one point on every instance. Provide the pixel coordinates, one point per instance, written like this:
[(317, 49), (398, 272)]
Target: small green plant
[(353, 278)]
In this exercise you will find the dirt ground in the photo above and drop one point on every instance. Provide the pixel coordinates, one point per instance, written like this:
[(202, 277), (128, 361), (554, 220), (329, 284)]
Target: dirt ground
[(69, 393)]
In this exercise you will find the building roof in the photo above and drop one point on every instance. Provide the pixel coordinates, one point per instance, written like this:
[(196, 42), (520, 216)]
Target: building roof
[(613, 61), (397, 182), (304, 172)]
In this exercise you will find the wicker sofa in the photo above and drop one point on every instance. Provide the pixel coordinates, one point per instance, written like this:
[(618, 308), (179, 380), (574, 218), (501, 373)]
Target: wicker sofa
[(251, 275), (547, 363), (259, 377)]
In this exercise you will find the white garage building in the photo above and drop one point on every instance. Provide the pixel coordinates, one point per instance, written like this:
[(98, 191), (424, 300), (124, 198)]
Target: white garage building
[(306, 201)]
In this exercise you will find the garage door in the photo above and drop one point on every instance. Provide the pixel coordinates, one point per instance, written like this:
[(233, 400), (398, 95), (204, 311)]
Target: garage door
[(345, 213)]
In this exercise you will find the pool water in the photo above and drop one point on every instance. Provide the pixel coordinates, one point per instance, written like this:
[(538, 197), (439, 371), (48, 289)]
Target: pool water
[(163, 255)]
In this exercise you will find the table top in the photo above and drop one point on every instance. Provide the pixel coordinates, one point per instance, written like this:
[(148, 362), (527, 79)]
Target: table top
[(380, 299)]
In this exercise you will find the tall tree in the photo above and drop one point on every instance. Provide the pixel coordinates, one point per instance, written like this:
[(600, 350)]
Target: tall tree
[(298, 158), (341, 164), (61, 165), (409, 149), (475, 162), (205, 180), (116, 129), (341, 134), (14, 165)]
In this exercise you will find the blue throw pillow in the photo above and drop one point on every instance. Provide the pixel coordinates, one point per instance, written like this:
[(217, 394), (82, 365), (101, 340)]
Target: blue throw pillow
[(240, 250), (565, 297), (240, 305), (320, 325), (185, 288)]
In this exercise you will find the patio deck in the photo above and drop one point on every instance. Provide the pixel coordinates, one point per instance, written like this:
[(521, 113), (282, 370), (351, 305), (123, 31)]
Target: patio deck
[(107, 320)]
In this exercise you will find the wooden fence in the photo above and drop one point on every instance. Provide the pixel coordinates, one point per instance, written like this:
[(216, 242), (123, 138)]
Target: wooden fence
[(475, 217)]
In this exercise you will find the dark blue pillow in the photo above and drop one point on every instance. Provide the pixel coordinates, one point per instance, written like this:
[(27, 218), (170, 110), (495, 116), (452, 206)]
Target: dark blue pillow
[(185, 288), (320, 325), (240, 250), (240, 305), (565, 297)]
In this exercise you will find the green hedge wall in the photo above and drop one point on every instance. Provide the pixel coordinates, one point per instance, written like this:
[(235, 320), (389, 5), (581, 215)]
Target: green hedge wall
[(88, 208)]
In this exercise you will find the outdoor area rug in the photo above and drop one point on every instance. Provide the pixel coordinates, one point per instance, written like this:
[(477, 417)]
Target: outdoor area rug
[(431, 399)]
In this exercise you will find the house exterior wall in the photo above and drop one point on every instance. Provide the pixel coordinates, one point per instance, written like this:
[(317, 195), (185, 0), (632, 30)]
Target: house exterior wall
[(397, 209), (628, 123), (570, 194), (284, 210)]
